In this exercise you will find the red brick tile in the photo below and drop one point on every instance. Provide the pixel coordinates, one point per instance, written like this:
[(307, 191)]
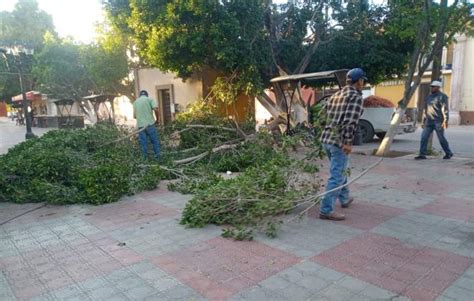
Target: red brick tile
[(451, 207), (239, 283), (365, 216), (219, 294), (257, 275), (422, 275), (220, 267), (420, 294)]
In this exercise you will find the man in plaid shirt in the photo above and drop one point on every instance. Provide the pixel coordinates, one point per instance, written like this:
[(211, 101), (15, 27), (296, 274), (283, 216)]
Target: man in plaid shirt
[(343, 112)]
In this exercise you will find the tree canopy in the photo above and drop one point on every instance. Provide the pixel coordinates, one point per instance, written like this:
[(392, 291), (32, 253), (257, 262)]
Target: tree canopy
[(26, 25), (258, 40), (66, 69), (60, 67)]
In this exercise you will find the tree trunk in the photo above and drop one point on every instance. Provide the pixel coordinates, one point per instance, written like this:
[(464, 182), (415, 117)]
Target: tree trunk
[(435, 75), (421, 59)]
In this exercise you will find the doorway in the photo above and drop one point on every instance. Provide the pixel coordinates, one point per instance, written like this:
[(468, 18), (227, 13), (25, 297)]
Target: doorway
[(165, 100)]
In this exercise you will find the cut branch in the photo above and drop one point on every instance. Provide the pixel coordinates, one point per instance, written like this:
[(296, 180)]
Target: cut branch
[(205, 154)]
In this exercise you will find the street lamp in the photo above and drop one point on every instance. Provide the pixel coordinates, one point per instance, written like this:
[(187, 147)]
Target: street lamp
[(17, 51)]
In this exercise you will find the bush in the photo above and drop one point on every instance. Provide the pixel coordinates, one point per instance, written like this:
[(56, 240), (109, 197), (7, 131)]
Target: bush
[(75, 166)]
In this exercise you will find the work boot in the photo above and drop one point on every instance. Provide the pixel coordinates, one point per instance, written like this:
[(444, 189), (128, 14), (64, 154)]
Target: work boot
[(420, 157), (333, 216)]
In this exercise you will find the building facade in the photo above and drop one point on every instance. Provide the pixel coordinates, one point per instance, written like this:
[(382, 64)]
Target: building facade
[(457, 79)]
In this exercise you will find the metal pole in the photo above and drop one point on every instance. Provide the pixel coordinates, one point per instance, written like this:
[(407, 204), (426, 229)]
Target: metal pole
[(29, 134)]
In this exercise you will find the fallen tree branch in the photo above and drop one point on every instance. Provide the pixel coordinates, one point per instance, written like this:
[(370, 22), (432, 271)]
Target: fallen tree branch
[(239, 130), (204, 154), (176, 172), (123, 138), (316, 199), (201, 126), (184, 150)]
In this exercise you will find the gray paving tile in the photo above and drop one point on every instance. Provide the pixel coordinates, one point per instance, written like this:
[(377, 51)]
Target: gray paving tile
[(309, 237), (430, 230)]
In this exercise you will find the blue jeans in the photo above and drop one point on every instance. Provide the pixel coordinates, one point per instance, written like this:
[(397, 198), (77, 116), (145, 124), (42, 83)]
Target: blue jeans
[(150, 131), (339, 162), (429, 128)]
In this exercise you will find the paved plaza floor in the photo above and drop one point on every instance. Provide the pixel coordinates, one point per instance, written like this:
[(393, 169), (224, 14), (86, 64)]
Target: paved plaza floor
[(408, 236)]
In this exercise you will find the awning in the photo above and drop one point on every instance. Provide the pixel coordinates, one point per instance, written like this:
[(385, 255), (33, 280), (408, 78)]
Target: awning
[(30, 95), (318, 78)]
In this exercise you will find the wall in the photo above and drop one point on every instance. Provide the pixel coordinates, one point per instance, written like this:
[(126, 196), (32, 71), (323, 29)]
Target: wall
[(393, 90), (184, 93), (3, 109), (467, 88)]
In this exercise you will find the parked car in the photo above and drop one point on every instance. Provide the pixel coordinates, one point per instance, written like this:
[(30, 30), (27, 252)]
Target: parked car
[(376, 121)]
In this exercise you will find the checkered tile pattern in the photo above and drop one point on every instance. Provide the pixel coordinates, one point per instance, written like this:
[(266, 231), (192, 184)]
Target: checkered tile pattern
[(462, 209), (416, 272), (408, 236), (224, 267)]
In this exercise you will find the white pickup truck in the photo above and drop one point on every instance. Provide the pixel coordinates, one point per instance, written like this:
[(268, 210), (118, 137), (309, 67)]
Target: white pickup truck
[(376, 121)]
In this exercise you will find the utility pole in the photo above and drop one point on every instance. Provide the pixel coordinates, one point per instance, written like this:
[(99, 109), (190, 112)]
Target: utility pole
[(29, 133), (17, 52)]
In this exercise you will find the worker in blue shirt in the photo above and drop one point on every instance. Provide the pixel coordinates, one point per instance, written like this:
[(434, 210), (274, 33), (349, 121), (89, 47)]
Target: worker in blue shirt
[(436, 117)]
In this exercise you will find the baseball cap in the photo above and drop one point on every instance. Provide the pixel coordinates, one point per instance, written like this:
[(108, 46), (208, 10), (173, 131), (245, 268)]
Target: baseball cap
[(436, 83), (143, 93), (355, 74)]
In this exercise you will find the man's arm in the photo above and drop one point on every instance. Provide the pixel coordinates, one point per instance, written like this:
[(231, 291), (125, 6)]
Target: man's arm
[(351, 119), (157, 115), (154, 106), (445, 111), (425, 110)]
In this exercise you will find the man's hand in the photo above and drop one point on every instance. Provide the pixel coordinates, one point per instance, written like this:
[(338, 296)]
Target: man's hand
[(445, 125), (347, 149)]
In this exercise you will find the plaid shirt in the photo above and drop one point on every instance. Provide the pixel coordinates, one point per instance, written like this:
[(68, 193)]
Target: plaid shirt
[(343, 111)]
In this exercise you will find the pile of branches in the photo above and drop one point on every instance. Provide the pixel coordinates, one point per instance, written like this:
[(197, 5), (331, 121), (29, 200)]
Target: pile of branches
[(199, 150), (267, 180), (75, 166)]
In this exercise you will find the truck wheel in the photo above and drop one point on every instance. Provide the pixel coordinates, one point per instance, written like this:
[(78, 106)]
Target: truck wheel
[(366, 130), (380, 135)]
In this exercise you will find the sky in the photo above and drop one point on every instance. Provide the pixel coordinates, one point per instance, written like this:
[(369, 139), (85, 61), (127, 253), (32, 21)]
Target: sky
[(76, 18)]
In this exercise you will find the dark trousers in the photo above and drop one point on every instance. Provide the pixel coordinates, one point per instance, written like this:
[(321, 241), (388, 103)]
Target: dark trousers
[(429, 128), (152, 133)]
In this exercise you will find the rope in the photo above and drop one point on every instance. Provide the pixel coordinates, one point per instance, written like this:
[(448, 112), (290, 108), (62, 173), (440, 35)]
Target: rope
[(123, 138), (316, 199), (21, 214)]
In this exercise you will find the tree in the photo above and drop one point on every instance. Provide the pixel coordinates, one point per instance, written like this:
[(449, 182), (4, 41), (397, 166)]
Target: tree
[(60, 71), (249, 42), (433, 26), (25, 25), (65, 69)]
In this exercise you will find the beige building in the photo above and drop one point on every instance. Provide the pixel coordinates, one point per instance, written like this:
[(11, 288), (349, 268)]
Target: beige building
[(462, 85), (173, 94), (457, 78)]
